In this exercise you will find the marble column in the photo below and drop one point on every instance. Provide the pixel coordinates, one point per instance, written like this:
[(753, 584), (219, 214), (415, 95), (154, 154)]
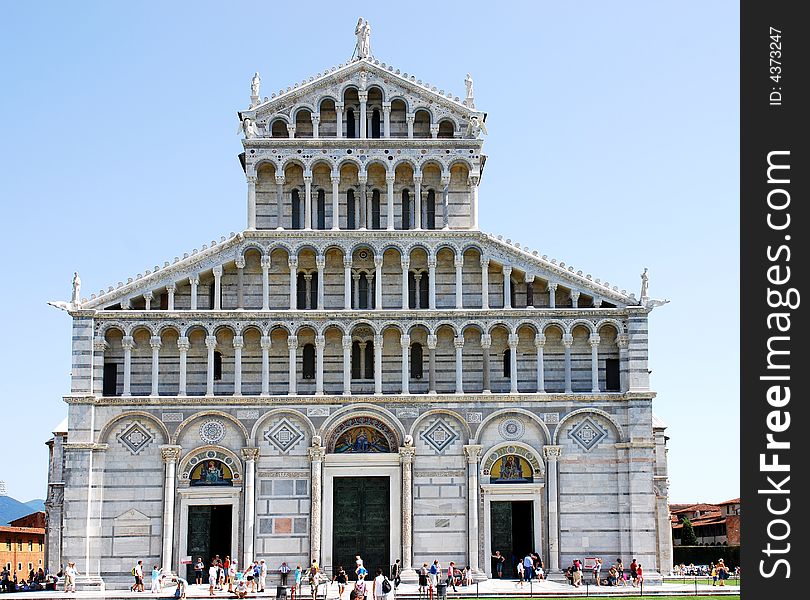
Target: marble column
[(347, 365), (362, 180), (147, 301), (307, 201), (529, 279), (473, 455), (210, 344), (316, 454), (445, 201), (217, 271), (575, 298), (170, 290), (458, 262), (127, 343), (356, 279), (386, 106), (539, 343), (251, 201), (473, 181), (363, 96), (378, 289), (568, 341), (551, 454), (339, 113), (308, 291), (486, 344), (320, 343), (432, 282), (507, 286), (279, 201), (238, 344), (417, 289), (240, 283), (266, 345), (431, 343), (552, 295), (405, 264), (513, 363), (362, 349), (293, 264), (183, 346), (458, 342), (154, 342), (335, 201), (194, 281), (99, 347), (405, 342), (250, 456), (292, 345), (347, 283), (378, 358), (291, 130), (316, 120), (434, 130), (417, 202), (389, 200), (371, 289), (320, 263), (266, 282), (170, 455), (409, 120), (406, 455), (622, 341), (485, 282), (594, 340)]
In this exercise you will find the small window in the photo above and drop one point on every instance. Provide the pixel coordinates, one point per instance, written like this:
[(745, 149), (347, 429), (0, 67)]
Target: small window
[(351, 221), (612, 375), (109, 382), (30, 548), (424, 290), (19, 565), (351, 130), (406, 209), (301, 292), (430, 209), (309, 361), (375, 209), (321, 209), (356, 358), (363, 291), (507, 363), (8, 544), (313, 291), (369, 359), (416, 361), (375, 123), (295, 199), (411, 290), (217, 366)]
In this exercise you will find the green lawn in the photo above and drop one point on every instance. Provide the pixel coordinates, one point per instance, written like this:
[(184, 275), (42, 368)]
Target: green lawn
[(733, 582), (656, 596)]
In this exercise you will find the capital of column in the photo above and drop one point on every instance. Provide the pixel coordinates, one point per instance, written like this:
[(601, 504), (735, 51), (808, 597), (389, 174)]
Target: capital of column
[(147, 295), (315, 118), (594, 339), (194, 280), (473, 179), (445, 180), (127, 342), (552, 287), (251, 179), (513, 340), (346, 342), (183, 344), (238, 342), (458, 342), (410, 118), (485, 261), (170, 453), (389, 178), (293, 262), (265, 262), (473, 453), (431, 262), (171, 287), (99, 344), (406, 454), (567, 340), (307, 178), (622, 340), (362, 178), (405, 263), (347, 262), (217, 271), (210, 342), (486, 341), (417, 179), (552, 452), (320, 262), (316, 454), (458, 261), (335, 178), (154, 342), (434, 128), (431, 342), (356, 276), (507, 270), (290, 130), (540, 340), (378, 260), (292, 342), (339, 105), (265, 342), (386, 106), (320, 342), (240, 262), (378, 340), (575, 295), (362, 96), (307, 276), (280, 179), (529, 278), (405, 341), (249, 454), (597, 302)]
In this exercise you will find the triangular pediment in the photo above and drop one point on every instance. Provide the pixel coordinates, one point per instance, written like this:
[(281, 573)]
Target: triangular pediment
[(131, 516)]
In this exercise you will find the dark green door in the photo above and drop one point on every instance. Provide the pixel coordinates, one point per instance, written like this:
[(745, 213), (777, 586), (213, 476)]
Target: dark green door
[(361, 522), (209, 534), (512, 533)]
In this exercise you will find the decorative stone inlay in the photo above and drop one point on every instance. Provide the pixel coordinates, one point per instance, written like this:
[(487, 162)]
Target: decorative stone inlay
[(283, 474), (171, 417), (551, 417), (439, 436), (247, 414), (317, 411), (474, 417), (283, 436), (516, 450), (212, 431), (587, 433), (407, 413), (511, 429), (135, 437), (446, 473)]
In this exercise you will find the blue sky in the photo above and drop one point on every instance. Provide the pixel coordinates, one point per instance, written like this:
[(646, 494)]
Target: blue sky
[(613, 145)]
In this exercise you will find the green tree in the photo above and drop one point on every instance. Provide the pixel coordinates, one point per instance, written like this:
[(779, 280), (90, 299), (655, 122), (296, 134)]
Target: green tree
[(688, 537)]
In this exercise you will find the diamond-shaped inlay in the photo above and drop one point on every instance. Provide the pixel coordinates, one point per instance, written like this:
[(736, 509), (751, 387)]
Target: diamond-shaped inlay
[(135, 437), (587, 433), (283, 436), (439, 436)]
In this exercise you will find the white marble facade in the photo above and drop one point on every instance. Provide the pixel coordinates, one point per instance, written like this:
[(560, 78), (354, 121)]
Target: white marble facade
[(361, 292)]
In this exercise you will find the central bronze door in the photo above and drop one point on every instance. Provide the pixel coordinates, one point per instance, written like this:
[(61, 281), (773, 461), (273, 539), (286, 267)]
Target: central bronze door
[(361, 523)]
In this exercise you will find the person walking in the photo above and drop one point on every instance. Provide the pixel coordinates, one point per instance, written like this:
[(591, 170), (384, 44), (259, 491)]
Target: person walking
[(521, 573), (137, 572), (213, 577), (528, 567), (639, 576), (155, 587), (199, 567), (576, 573), (396, 568), (263, 574), (342, 578), (722, 573), (451, 576), (298, 576), (284, 569), (360, 587), (70, 577), (382, 586), (620, 571), (634, 571), (423, 581)]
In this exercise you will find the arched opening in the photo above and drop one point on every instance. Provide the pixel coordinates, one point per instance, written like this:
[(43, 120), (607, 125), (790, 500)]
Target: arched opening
[(365, 292), (351, 210), (328, 123), (416, 361), (398, 120), (418, 289), (375, 123), (321, 210), (308, 368), (303, 124), (446, 129), (375, 209), (507, 363), (307, 290), (351, 129), (406, 209), (430, 209), (295, 199), (421, 124), (363, 359), (278, 129)]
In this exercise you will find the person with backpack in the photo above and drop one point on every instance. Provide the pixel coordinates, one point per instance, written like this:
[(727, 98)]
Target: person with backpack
[(382, 586), (137, 573)]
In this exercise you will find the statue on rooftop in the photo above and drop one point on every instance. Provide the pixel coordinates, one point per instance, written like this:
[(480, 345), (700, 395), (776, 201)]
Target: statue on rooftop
[(475, 127), (248, 127), (645, 285), (76, 298), (363, 33), (469, 101), (254, 85)]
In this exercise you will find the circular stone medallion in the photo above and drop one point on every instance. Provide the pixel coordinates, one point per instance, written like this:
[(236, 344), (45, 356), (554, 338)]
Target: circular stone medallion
[(212, 431), (511, 429)]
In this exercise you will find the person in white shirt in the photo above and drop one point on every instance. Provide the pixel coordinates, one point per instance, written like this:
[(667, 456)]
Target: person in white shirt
[(263, 574), (213, 574), (377, 589)]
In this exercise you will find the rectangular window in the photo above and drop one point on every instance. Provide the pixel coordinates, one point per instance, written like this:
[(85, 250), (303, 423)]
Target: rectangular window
[(30, 546), (217, 366), (109, 385), (612, 375), (8, 545), (164, 301)]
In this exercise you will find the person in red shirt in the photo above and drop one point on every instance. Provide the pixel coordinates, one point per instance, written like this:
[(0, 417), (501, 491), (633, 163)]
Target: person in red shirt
[(639, 576), (451, 575)]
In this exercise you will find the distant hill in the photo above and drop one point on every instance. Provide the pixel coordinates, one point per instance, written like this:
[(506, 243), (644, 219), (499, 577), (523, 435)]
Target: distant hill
[(36, 505), (11, 509)]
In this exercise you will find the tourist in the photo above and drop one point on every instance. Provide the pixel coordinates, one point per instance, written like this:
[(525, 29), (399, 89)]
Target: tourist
[(396, 568), (155, 588), (521, 572), (468, 577), (381, 587), (298, 576), (528, 567), (263, 574), (213, 577), (613, 575), (722, 572), (342, 578), (451, 576), (182, 586), (620, 569), (359, 569), (314, 580), (240, 590), (423, 580), (597, 571), (435, 569), (639, 576), (284, 569), (70, 577), (498, 559), (576, 573), (360, 587), (713, 573), (633, 573), (199, 567), (137, 572)]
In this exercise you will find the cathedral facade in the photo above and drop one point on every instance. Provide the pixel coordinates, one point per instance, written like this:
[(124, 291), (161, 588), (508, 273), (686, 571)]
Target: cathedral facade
[(362, 370)]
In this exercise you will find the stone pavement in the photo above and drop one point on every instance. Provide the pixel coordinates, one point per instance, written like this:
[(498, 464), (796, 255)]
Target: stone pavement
[(489, 588)]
